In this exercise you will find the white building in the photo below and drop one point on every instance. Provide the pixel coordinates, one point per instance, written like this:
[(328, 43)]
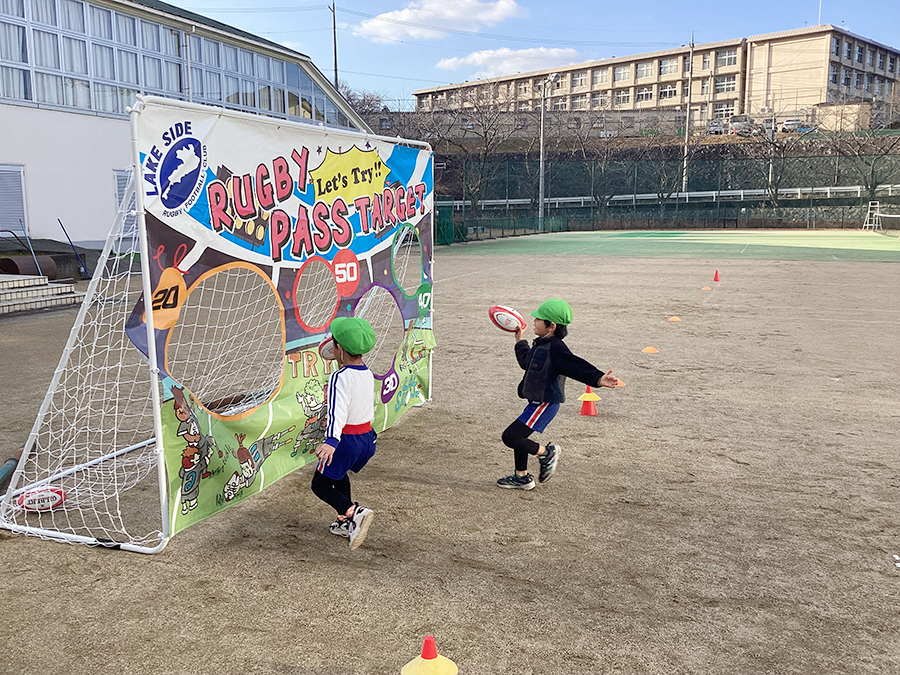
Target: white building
[(68, 71)]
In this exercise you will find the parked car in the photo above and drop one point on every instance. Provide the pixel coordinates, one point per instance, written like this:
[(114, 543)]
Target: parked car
[(741, 124), (715, 127), (790, 126)]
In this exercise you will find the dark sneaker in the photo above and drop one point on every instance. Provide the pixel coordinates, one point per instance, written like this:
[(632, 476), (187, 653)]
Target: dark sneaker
[(516, 482), (548, 462), (359, 525), (341, 527)]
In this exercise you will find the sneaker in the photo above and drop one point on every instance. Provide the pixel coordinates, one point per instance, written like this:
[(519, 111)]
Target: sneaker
[(340, 527), (359, 525), (517, 482), (548, 463)]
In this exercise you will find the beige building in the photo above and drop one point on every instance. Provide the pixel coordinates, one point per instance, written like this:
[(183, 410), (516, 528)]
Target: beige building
[(787, 74)]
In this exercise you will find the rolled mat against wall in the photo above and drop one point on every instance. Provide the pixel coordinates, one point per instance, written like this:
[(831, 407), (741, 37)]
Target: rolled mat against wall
[(24, 265)]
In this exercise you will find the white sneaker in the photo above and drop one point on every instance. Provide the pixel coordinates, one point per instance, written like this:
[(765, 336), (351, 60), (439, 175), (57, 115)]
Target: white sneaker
[(359, 525), (340, 527)]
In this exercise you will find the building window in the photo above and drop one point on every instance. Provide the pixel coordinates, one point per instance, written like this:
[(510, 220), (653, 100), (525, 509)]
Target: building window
[(686, 64), (726, 57), (623, 96), (559, 103), (836, 46), (880, 61), (560, 82), (704, 86), (848, 50), (892, 62), (523, 88), (12, 196), (622, 73), (668, 66), (870, 57), (705, 65), (525, 106), (858, 81), (599, 99), (643, 94), (667, 91), (580, 102), (879, 87), (685, 89), (600, 76), (644, 70), (725, 84), (834, 74), (859, 54), (579, 79), (870, 80), (723, 110), (847, 79)]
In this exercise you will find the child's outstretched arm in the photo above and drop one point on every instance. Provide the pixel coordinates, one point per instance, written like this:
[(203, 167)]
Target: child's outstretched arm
[(608, 379)]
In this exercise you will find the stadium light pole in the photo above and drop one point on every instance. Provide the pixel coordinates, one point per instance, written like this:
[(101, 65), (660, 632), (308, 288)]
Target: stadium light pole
[(551, 78)]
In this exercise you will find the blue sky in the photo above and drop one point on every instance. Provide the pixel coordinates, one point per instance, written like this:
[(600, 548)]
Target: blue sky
[(395, 48)]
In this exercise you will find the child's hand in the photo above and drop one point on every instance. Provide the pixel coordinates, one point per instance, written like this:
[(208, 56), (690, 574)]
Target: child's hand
[(325, 451), (609, 380), (520, 334)]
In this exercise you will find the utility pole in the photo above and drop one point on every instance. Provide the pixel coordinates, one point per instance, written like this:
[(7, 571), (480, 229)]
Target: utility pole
[(334, 34), (687, 121)]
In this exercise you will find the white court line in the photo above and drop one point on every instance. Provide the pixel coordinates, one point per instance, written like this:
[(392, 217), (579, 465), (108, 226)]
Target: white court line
[(748, 243)]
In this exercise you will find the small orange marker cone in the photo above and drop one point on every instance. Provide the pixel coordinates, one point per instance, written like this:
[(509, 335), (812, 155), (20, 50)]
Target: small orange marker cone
[(716, 278), (588, 405), (430, 662), (706, 288), (650, 350), (619, 383), (674, 318)]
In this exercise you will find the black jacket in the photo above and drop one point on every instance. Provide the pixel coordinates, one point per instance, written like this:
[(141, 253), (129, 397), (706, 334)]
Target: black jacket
[(547, 363)]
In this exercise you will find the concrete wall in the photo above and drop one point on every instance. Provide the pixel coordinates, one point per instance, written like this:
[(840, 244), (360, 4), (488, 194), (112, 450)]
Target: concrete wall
[(69, 162), (788, 74)]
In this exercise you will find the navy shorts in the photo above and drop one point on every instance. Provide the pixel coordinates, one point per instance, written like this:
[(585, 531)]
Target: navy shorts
[(351, 454), (538, 415)]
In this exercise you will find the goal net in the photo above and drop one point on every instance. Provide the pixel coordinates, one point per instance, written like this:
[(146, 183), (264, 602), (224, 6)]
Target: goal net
[(192, 377)]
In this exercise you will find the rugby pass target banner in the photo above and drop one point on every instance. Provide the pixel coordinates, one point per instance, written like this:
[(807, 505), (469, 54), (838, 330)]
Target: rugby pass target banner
[(259, 233)]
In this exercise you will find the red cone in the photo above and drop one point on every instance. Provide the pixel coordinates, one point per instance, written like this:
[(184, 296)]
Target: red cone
[(429, 649), (716, 278), (588, 405)]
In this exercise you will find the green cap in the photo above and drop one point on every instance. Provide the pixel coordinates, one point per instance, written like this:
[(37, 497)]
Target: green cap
[(555, 311), (354, 335)]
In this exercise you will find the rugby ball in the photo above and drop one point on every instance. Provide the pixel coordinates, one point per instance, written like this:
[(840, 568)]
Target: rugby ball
[(506, 318), (326, 349), (42, 498)]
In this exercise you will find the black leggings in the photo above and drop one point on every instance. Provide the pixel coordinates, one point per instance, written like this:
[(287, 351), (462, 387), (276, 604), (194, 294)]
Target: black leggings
[(335, 493), (516, 437)]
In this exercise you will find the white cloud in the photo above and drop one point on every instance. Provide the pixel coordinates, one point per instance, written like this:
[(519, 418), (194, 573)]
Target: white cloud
[(497, 62), (417, 18)]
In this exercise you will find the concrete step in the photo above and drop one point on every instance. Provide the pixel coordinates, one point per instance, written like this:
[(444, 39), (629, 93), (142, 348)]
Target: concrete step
[(30, 293)]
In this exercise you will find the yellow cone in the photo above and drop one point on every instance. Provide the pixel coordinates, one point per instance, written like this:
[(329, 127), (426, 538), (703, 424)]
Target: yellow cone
[(430, 662)]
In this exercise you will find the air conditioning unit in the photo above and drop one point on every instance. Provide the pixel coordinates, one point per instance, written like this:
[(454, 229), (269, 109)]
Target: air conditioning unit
[(766, 110)]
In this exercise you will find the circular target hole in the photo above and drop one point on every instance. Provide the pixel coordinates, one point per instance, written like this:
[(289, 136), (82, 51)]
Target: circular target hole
[(406, 260), (378, 307), (316, 295), (228, 345)]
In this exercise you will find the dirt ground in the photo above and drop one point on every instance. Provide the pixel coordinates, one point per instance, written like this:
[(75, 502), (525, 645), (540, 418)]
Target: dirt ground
[(733, 509)]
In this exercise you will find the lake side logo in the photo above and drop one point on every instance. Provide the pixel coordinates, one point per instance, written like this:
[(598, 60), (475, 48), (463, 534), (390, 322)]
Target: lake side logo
[(177, 172)]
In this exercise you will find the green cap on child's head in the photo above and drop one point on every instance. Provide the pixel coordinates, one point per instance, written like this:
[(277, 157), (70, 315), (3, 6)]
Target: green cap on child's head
[(353, 334), (555, 311)]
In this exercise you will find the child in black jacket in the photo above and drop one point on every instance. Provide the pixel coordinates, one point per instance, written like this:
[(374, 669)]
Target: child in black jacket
[(547, 363)]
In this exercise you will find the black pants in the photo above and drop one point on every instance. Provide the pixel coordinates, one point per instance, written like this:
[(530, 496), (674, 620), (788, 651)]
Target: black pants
[(335, 493), (516, 437)]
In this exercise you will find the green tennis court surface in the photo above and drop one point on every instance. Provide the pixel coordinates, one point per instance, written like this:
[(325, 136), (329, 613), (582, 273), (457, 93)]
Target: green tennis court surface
[(844, 245)]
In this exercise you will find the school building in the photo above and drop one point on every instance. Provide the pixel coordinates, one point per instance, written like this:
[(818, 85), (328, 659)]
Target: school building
[(68, 72), (786, 74)]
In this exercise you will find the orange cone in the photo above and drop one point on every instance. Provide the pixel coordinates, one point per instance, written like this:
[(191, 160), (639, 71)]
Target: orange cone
[(588, 405), (430, 662), (716, 278)]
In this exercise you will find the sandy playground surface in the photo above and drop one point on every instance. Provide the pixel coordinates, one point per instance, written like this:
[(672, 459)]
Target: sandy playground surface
[(733, 509)]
